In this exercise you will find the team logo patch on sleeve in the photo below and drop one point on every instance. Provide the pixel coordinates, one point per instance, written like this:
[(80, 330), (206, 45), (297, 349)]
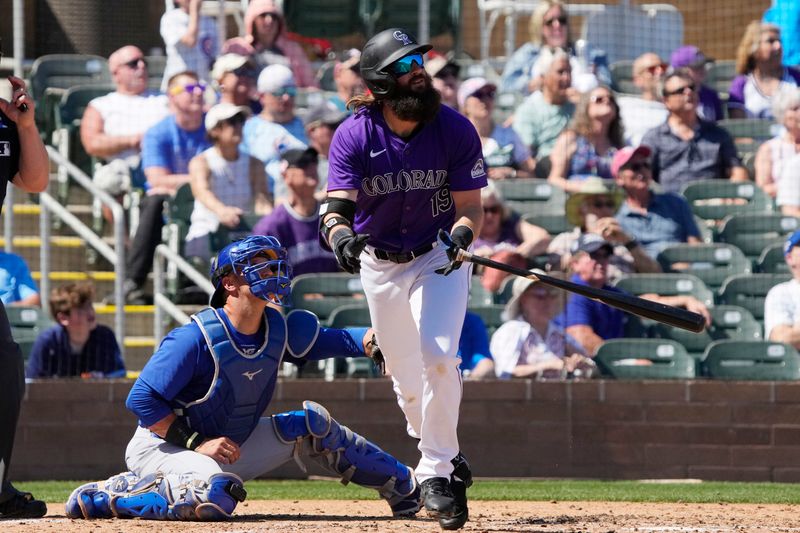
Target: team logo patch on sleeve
[(477, 169), (5, 149)]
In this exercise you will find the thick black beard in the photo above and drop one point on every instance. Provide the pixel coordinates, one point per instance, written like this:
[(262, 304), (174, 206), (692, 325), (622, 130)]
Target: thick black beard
[(414, 106)]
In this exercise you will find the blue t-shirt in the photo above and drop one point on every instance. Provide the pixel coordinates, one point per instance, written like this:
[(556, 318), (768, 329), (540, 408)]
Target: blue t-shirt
[(169, 146), (607, 322), (473, 345), (266, 141), (668, 221), (182, 368), (16, 282), (52, 355), (786, 15)]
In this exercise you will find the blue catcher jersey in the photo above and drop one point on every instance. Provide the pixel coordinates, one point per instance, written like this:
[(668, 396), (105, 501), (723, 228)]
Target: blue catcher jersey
[(243, 382)]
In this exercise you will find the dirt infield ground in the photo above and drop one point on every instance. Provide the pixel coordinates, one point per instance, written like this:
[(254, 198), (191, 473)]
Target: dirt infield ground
[(351, 516)]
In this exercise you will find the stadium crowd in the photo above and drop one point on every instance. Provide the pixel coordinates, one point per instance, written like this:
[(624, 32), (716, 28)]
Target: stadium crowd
[(246, 129)]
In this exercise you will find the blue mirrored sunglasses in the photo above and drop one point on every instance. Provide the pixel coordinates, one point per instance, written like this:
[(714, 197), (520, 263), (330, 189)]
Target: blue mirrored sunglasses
[(291, 91), (404, 65)]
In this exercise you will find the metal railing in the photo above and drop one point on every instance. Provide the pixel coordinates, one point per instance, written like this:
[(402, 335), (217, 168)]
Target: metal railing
[(163, 255), (115, 256)]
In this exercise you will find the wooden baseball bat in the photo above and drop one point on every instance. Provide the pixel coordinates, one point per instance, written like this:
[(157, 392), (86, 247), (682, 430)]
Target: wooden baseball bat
[(667, 314)]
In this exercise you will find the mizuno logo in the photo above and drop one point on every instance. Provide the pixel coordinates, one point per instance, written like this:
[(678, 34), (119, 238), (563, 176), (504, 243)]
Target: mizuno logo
[(376, 154), (251, 375)]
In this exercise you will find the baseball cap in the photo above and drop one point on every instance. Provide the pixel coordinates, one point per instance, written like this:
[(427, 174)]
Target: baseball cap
[(590, 243), (624, 155), (228, 63), (275, 77), (222, 112), (300, 158), (688, 56), (326, 114), (791, 242), (351, 59), (470, 87)]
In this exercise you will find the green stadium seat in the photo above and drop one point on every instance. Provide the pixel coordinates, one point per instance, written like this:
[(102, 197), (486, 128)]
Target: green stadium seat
[(751, 232), (532, 195), (478, 295), (747, 128), (752, 361), (28, 317), (350, 316), (720, 74), (749, 291), (622, 76), (444, 16), (712, 263), (52, 74), (224, 235), (644, 359), (554, 223), (321, 293), (669, 284), (491, 316), (727, 322), (772, 261), (155, 71), (322, 18), (25, 338), (713, 200)]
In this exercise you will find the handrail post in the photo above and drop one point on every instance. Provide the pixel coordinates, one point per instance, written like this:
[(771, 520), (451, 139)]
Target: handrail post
[(44, 253), (158, 288), (8, 229)]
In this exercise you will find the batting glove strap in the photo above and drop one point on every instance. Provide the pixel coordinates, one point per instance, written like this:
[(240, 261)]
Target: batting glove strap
[(180, 434)]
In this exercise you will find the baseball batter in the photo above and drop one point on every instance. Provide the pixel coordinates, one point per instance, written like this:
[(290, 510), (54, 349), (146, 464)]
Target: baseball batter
[(23, 162), (200, 400), (402, 168)]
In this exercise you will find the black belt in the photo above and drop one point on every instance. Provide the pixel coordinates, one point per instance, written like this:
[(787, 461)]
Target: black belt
[(403, 257)]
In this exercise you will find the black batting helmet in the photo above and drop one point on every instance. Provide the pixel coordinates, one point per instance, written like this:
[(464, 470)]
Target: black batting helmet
[(381, 51)]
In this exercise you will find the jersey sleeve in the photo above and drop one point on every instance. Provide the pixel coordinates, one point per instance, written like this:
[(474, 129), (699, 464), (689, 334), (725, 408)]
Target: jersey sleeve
[(736, 92), (170, 369), (467, 168), (345, 160), (171, 28), (38, 360), (25, 285), (332, 342)]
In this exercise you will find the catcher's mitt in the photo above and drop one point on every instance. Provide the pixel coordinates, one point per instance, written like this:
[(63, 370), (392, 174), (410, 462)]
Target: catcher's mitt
[(374, 352)]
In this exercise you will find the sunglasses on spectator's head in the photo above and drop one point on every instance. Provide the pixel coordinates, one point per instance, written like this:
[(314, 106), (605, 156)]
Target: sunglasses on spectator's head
[(191, 88), (680, 90), (288, 91), (600, 99), (562, 19), (404, 65), (134, 63)]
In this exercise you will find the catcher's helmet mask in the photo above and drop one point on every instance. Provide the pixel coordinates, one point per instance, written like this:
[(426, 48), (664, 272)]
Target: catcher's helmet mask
[(381, 51), (269, 280)]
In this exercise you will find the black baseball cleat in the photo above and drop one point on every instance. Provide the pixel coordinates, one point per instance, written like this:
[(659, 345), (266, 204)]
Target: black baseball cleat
[(20, 505), (460, 511), (460, 481), (438, 497)]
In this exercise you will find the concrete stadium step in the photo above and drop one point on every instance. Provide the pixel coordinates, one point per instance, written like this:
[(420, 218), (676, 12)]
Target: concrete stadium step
[(138, 351), (66, 253), (26, 218), (103, 281), (138, 318)]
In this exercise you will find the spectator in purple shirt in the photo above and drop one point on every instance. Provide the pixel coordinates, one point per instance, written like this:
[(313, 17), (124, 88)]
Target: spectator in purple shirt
[(696, 63), (759, 63), (77, 345), (295, 222)]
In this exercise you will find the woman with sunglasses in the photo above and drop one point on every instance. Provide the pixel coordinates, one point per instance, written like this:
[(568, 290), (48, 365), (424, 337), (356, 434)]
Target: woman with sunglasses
[(529, 344), (190, 39), (266, 42), (548, 28), (587, 147), (505, 154), (761, 72), (226, 182)]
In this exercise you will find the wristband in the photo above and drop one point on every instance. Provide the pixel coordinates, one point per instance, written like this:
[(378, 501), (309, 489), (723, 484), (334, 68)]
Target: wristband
[(182, 435), (331, 223)]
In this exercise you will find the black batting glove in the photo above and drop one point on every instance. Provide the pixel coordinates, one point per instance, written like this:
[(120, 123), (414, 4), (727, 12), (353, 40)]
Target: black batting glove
[(347, 246), (460, 239)]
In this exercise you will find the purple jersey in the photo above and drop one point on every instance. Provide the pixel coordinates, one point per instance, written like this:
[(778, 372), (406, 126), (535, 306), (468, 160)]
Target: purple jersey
[(404, 185), (298, 234)]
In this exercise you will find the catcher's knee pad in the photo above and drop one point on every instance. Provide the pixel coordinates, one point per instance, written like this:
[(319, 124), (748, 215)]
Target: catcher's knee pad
[(343, 452), (122, 496), (214, 499)]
